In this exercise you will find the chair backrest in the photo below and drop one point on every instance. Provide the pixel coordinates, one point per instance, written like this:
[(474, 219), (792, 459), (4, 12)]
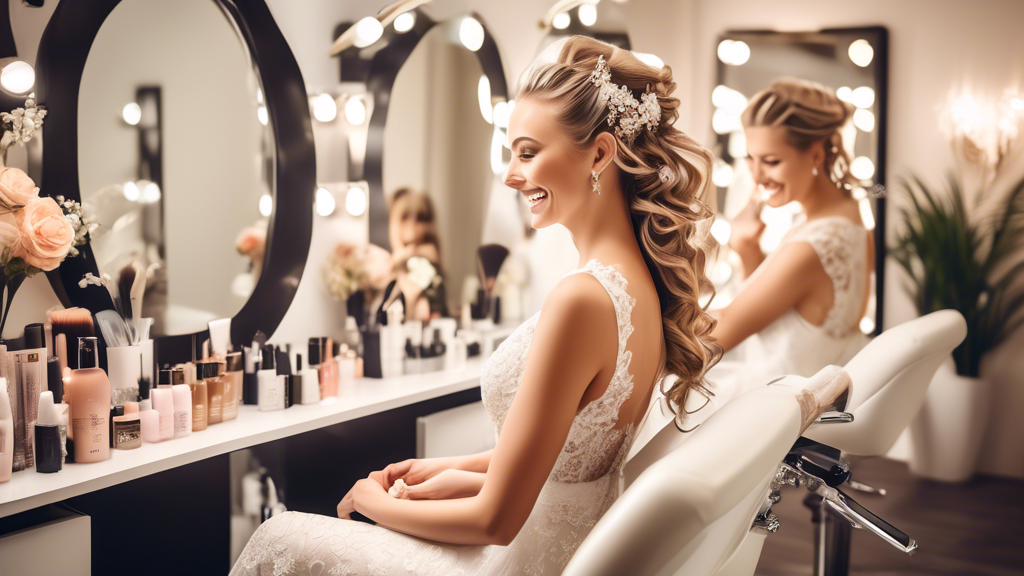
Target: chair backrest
[(666, 520), (890, 377)]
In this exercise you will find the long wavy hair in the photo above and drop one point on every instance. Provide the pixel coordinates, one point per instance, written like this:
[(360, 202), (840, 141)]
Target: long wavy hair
[(671, 216)]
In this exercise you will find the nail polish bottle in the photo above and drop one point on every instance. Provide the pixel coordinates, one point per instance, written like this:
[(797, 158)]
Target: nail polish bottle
[(89, 392)]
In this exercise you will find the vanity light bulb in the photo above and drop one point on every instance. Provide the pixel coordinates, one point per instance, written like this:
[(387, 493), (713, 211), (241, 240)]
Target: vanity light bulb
[(722, 174), (355, 201), (649, 59), (355, 111), (483, 93), (500, 114), (724, 121), (471, 33), (325, 203), (325, 109), (587, 14), (368, 31), (864, 120), (1017, 104), (861, 53), (262, 116), (867, 325), (561, 21), (740, 53), (862, 168), (131, 191), (721, 230), (728, 99), (866, 215), (131, 113), (404, 22), (150, 193), (863, 97), (18, 77), (266, 205), (259, 95), (844, 93)]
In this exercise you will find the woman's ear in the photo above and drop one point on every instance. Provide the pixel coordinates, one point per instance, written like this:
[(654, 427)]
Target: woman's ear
[(818, 155), (605, 147)]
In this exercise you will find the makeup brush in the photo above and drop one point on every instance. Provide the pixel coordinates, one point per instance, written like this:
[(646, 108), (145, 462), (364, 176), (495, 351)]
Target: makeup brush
[(73, 323), (490, 257)]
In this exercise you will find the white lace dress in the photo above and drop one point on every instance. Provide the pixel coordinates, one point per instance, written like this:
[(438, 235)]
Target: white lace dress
[(583, 484)]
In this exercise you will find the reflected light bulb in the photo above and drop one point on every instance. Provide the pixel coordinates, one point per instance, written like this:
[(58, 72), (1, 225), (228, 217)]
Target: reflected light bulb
[(587, 14), (862, 168), (844, 93), (150, 193), (863, 97), (721, 230), (471, 33), (861, 53), (864, 119), (325, 109), (262, 116), (266, 205), (131, 191), (18, 77), (325, 202), (866, 215), (725, 51), (722, 174), (740, 53), (131, 113), (355, 111), (725, 121), (355, 201), (737, 144), (561, 21), (500, 114), (368, 31), (650, 59), (404, 22), (867, 325), (483, 93)]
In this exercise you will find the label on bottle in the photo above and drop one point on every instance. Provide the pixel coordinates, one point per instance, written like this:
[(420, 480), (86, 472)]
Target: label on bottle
[(180, 421), (89, 431)]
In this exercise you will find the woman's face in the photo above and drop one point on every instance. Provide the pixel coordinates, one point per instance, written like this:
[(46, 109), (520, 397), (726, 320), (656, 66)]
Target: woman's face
[(782, 172), (551, 173), (408, 225)]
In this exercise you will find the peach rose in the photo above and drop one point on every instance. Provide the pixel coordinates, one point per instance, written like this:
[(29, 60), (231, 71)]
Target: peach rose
[(10, 236), (46, 234), (251, 241), (16, 188)]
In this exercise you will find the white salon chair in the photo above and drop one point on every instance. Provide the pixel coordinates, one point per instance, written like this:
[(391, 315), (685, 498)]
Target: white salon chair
[(699, 503)]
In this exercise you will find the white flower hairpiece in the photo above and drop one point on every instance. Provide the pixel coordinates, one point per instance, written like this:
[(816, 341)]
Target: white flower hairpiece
[(24, 121), (632, 115)]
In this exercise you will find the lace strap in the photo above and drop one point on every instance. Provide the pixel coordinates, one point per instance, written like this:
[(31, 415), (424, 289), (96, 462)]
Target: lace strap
[(615, 284)]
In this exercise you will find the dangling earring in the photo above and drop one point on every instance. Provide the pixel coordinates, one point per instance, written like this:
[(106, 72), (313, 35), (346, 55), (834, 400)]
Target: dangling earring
[(814, 171), (595, 183)]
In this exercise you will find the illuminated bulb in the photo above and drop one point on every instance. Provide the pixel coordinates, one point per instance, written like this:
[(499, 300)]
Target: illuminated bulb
[(863, 97), (864, 120), (866, 215), (325, 109), (649, 59), (150, 193), (368, 31), (500, 114), (721, 272), (867, 325), (355, 201), (724, 121), (862, 168), (1017, 104), (483, 93), (722, 175), (259, 96), (844, 93), (740, 53), (859, 193), (861, 53), (405, 22), (498, 165), (728, 99), (588, 15), (18, 77), (261, 114), (721, 230), (266, 205), (325, 202), (355, 111), (471, 33), (132, 113), (131, 191), (738, 144), (725, 51), (561, 21)]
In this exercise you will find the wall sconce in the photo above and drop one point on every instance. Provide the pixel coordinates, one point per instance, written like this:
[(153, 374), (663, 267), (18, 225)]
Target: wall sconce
[(17, 77)]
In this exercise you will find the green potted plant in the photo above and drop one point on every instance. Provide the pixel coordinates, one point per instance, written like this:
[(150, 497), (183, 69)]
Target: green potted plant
[(962, 248)]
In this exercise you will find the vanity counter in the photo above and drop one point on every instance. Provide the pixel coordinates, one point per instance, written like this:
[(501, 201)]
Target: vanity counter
[(30, 489)]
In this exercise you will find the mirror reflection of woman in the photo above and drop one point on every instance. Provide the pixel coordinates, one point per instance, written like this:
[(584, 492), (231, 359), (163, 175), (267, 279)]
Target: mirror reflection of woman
[(800, 306), (412, 231), (568, 388)]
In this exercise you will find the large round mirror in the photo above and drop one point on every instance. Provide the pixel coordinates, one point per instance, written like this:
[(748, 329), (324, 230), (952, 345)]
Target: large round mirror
[(183, 132)]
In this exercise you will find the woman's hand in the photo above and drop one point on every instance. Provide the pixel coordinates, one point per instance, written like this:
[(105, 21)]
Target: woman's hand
[(413, 471), (367, 487), (747, 228), (447, 485)]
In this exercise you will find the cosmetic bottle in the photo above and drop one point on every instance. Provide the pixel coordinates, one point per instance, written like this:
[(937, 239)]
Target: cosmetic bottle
[(131, 408), (182, 396), (351, 335), (284, 374), (54, 379), (163, 405), (30, 383), (250, 385), (295, 383), (214, 391), (347, 369), (128, 431), (315, 354), (89, 392), (232, 384), (149, 425), (309, 382), (392, 342), (329, 370), (200, 401), (145, 402), (115, 411), (6, 433), (457, 354), (124, 368), (49, 454), (271, 390)]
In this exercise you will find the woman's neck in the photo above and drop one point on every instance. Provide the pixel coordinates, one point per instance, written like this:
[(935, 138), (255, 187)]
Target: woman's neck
[(822, 200), (606, 232)]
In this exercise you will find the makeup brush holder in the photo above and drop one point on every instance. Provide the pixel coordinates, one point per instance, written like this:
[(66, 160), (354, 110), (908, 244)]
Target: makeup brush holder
[(124, 367)]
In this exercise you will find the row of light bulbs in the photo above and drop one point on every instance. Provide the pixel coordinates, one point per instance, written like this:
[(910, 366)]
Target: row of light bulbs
[(737, 52), (325, 201), (368, 30)]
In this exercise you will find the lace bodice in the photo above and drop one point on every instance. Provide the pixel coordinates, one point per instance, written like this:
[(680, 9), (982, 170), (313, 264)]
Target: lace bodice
[(594, 446)]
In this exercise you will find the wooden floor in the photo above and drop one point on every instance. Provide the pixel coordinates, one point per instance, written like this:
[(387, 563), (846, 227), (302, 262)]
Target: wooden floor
[(974, 529)]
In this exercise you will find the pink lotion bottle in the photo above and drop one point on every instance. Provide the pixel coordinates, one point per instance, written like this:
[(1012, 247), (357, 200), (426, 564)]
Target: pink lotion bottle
[(90, 404)]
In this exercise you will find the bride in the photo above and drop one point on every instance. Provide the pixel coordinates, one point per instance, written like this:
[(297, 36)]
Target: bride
[(593, 149)]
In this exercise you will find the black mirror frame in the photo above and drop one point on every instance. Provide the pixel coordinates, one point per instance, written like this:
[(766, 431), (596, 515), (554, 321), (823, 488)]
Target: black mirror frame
[(63, 50), (880, 41), (380, 80)]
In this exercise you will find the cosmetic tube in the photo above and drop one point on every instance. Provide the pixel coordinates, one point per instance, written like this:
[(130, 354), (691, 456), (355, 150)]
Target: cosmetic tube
[(199, 404), (271, 389), (215, 391), (232, 384), (128, 431), (182, 395), (149, 423), (284, 374), (62, 412), (6, 433), (89, 392), (30, 383), (49, 454), (124, 368), (309, 383), (163, 404)]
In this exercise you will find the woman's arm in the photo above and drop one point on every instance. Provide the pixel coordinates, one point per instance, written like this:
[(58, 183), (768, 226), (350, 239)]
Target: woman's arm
[(575, 340), (790, 276)]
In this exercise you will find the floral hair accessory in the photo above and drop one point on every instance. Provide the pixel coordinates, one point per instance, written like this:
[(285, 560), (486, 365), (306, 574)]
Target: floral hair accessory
[(665, 173), (630, 114)]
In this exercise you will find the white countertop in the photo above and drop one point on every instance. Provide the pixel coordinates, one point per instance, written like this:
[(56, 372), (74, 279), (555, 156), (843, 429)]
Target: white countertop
[(29, 489)]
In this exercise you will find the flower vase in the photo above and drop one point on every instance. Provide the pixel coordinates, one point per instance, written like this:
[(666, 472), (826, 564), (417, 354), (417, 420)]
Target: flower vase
[(9, 287)]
